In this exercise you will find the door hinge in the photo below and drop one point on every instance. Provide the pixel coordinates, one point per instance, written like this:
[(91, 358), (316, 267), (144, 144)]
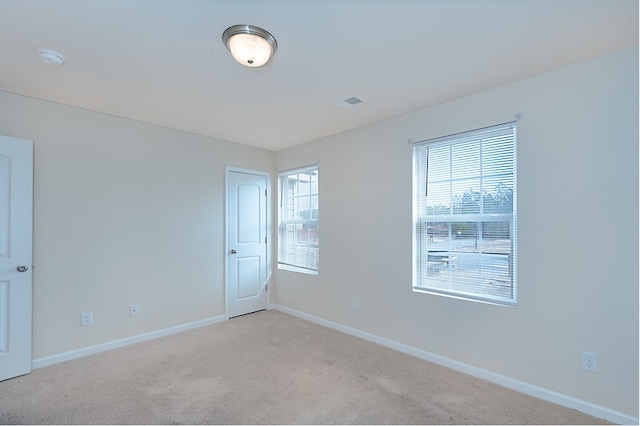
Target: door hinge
[(266, 287), (265, 192), (265, 240)]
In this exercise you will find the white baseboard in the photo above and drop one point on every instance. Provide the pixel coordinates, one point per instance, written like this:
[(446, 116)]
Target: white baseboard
[(90, 350), (526, 388)]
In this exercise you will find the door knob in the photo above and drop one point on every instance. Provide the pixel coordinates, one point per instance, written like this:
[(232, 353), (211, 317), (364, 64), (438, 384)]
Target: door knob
[(233, 251), (22, 268)]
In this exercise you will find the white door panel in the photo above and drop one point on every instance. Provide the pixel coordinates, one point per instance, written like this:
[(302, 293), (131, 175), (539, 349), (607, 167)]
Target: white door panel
[(16, 205), (248, 201), (248, 277), (246, 242)]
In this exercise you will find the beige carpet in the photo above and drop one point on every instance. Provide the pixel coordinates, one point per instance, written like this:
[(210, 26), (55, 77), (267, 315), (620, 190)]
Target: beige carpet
[(264, 368)]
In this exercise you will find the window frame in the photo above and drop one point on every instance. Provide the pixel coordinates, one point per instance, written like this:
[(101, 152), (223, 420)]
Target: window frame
[(291, 249), (493, 221)]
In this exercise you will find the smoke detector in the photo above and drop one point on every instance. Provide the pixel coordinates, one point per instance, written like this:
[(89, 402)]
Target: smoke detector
[(51, 57)]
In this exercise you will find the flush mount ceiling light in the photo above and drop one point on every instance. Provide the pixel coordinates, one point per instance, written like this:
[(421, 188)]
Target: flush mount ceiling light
[(251, 46), (51, 57)]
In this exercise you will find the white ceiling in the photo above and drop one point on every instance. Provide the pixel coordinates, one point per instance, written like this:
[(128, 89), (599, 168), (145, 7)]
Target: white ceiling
[(163, 61)]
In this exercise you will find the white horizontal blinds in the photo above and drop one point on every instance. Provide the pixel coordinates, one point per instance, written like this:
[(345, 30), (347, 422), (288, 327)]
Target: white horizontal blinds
[(299, 225), (466, 214)]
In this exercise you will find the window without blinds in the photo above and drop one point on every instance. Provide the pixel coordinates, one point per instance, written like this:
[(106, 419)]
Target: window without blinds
[(298, 229), (465, 215)]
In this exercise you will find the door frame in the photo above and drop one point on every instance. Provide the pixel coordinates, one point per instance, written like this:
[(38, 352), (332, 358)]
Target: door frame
[(267, 175)]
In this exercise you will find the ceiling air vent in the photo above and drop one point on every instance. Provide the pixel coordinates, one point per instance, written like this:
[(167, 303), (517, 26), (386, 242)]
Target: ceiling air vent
[(349, 102)]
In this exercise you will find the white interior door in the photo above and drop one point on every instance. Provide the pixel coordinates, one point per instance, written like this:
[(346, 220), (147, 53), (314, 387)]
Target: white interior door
[(246, 242), (16, 204)]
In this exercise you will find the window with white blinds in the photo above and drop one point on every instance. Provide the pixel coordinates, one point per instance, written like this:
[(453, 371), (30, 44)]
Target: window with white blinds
[(298, 241), (464, 208)]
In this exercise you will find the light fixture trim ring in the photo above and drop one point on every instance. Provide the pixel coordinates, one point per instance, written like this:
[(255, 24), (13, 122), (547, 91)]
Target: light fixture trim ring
[(250, 30), (51, 57)]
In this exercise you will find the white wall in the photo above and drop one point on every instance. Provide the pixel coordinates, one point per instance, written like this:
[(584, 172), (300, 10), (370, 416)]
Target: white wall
[(124, 212), (577, 234)]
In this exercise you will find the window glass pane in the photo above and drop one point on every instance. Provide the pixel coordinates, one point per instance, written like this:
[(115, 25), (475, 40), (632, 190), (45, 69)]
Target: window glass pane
[(301, 248), (497, 258), (465, 160), (466, 196), (498, 233), (304, 185), (437, 235), (497, 194), (464, 236), (439, 164), (307, 235), (497, 156), (304, 208), (439, 198), (466, 260)]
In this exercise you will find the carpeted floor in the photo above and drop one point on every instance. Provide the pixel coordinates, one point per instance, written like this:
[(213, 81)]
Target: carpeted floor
[(264, 368)]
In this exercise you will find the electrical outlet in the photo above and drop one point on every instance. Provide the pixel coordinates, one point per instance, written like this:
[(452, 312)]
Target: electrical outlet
[(354, 305), (86, 318), (133, 310), (589, 362)]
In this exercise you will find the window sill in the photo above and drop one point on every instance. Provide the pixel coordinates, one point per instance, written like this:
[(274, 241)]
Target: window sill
[(297, 269), (468, 297)]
